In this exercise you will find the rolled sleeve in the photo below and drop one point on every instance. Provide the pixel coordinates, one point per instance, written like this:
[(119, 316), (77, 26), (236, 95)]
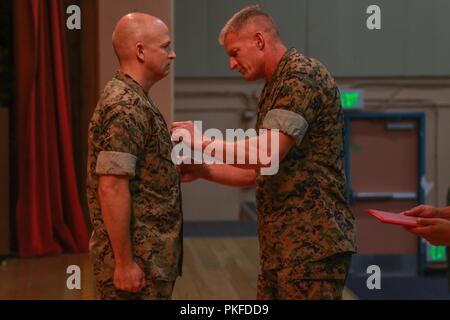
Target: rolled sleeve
[(116, 163), (288, 122)]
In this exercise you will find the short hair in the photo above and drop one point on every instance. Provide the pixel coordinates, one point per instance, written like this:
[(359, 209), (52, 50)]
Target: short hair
[(240, 18)]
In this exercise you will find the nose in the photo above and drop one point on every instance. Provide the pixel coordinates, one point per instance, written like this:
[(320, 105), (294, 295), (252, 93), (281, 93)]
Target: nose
[(172, 55), (233, 63)]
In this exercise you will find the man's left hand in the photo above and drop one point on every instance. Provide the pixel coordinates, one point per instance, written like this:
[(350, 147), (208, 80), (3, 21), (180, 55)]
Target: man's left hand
[(436, 231)]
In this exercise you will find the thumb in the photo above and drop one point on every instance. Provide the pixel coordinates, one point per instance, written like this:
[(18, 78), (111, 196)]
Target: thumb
[(143, 282), (416, 211), (181, 123)]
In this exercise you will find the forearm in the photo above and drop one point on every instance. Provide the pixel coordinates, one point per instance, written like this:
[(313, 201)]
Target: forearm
[(250, 153), (229, 175), (116, 211), (245, 154)]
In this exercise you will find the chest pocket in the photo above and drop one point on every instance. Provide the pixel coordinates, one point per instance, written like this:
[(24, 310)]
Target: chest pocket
[(268, 100), (162, 136), (165, 148), (160, 173)]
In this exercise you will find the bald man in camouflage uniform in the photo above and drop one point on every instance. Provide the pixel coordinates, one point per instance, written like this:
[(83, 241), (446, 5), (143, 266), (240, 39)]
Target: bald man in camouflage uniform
[(306, 229), (133, 187)]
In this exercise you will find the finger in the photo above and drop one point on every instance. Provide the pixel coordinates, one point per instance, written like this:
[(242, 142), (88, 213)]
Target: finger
[(136, 285), (422, 231), (134, 289), (143, 282), (179, 133), (124, 285), (186, 178), (177, 123), (173, 128), (128, 288), (414, 211), (118, 284), (181, 124), (175, 139), (428, 221)]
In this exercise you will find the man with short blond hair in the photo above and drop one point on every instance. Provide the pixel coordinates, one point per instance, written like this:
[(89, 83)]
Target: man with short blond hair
[(306, 229)]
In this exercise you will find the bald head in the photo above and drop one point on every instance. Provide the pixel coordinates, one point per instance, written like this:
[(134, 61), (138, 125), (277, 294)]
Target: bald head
[(132, 29)]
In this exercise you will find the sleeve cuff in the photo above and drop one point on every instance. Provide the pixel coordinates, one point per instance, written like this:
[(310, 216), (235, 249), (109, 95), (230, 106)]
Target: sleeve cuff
[(116, 163), (288, 122)]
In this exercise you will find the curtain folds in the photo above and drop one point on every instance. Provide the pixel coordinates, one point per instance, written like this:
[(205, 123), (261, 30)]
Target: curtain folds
[(49, 217)]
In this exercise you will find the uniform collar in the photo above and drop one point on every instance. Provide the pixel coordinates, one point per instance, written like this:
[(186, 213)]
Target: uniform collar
[(133, 84), (284, 60)]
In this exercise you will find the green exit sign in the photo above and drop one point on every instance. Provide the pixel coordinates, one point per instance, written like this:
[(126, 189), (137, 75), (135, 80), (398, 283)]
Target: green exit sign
[(352, 99), (436, 254)]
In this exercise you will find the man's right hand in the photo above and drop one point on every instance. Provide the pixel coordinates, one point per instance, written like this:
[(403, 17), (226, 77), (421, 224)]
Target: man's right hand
[(129, 277), (191, 172)]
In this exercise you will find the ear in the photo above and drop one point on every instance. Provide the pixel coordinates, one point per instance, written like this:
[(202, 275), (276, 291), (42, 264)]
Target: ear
[(260, 42), (140, 51)]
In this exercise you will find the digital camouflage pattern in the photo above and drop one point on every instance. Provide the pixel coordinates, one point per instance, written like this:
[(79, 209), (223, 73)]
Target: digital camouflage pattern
[(320, 280), (303, 215), (127, 121)]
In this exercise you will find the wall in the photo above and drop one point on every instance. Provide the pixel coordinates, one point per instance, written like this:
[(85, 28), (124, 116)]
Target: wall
[(198, 24), (413, 40)]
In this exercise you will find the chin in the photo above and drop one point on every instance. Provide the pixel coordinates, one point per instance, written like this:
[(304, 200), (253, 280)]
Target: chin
[(249, 77)]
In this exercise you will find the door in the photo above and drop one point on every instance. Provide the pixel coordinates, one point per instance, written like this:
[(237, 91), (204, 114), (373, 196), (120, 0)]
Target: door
[(384, 166)]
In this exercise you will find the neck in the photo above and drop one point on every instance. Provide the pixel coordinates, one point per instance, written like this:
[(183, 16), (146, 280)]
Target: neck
[(139, 76), (274, 59)]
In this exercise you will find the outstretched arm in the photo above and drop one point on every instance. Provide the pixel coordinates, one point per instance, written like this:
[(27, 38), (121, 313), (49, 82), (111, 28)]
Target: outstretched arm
[(265, 150)]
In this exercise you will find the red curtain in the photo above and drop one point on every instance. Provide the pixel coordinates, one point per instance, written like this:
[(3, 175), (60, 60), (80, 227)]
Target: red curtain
[(49, 218)]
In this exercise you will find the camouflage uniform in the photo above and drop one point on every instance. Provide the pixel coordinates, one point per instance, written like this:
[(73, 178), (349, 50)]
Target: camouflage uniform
[(306, 228), (128, 136)]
